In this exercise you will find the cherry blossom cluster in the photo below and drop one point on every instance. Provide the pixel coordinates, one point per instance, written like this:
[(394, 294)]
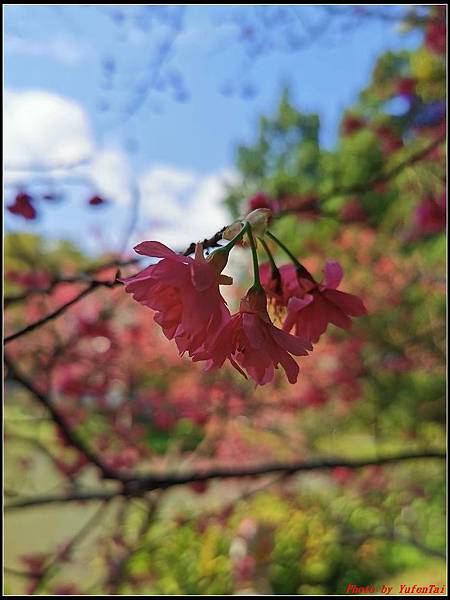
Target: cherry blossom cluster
[(24, 204), (184, 291)]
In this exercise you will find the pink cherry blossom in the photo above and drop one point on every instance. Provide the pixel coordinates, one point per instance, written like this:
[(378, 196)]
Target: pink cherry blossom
[(261, 200), (430, 215), (184, 292), (96, 201), (252, 343), (316, 305), (280, 285), (23, 206)]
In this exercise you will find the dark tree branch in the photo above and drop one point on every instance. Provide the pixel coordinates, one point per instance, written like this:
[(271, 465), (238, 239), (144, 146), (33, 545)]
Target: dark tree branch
[(390, 173), (84, 277), (71, 436), (136, 485), (139, 485), (119, 573), (68, 548), (347, 191), (213, 241), (83, 496), (378, 178), (156, 481), (207, 242), (94, 284)]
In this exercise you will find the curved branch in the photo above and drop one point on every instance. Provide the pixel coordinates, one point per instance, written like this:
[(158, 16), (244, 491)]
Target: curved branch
[(72, 438), (58, 498), (94, 284), (66, 551), (164, 481), (83, 277), (207, 242), (137, 486), (346, 191)]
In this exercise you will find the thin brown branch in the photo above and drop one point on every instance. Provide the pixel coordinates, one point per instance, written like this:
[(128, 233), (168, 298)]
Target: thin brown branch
[(79, 278), (381, 177), (345, 191), (139, 485), (64, 554), (71, 436), (119, 573), (164, 481), (18, 573), (94, 284), (207, 242), (394, 171), (76, 496)]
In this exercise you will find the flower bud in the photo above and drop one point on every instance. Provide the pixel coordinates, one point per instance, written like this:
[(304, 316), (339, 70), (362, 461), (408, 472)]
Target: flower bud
[(259, 220), (232, 230), (255, 301)]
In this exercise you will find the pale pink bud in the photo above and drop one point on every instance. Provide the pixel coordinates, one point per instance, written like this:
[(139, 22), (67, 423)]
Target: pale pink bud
[(259, 220)]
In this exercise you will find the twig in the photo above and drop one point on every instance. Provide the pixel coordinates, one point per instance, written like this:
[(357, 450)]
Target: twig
[(94, 284), (72, 438), (76, 496), (164, 481), (119, 572), (347, 191), (93, 520), (213, 240), (139, 485), (80, 278), (207, 242)]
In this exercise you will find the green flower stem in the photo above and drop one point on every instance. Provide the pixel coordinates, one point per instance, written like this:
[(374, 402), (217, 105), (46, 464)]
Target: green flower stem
[(302, 271), (237, 238), (257, 283), (269, 256), (283, 247)]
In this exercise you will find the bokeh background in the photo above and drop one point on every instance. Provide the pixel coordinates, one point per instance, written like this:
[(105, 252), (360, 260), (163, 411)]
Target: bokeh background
[(132, 123)]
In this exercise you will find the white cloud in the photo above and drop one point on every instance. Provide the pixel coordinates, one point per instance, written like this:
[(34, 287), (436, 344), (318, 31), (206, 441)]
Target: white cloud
[(44, 129), (61, 49), (184, 206), (161, 189), (110, 172), (48, 134)]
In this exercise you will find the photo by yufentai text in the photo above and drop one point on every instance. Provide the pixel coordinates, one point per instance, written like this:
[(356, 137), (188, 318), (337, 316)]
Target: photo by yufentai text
[(395, 590)]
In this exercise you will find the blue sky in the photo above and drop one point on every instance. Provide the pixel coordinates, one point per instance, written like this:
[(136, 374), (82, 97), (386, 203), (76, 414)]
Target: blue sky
[(94, 59)]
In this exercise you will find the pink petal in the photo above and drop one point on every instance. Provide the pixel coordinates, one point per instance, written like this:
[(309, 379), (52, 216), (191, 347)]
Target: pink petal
[(293, 344), (202, 275), (335, 315), (144, 274), (349, 303), (290, 366), (253, 329), (311, 321), (157, 250), (294, 306), (333, 274), (237, 367)]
